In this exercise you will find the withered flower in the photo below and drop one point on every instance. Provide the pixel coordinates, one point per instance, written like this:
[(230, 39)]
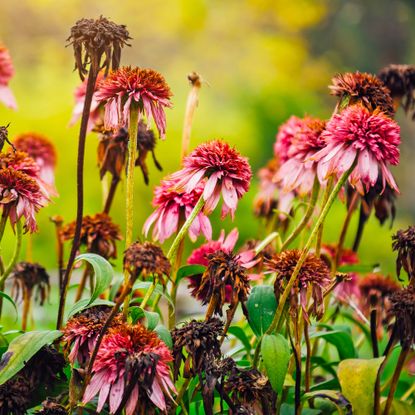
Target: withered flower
[(403, 309), (314, 273), (50, 407), (400, 79), (81, 331), (195, 343), (98, 234), (15, 396), (146, 260), (362, 88), (224, 269), (94, 39), (404, 243)]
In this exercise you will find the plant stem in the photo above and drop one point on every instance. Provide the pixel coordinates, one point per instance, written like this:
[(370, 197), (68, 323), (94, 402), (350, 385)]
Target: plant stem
[(324, 201), (132, 157), (373, 335), (314, 232), (82, 283), (304, 221), (3, 221), (111, 194), (395, 379), (148, 294), (90, 88), (27, 295), (307, 379)]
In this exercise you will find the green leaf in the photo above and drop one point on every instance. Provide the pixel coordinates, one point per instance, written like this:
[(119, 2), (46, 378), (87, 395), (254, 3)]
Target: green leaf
[(85, 303), (339, 401), (164, 335), (357, 379), (399, 408), (21, 349), (240, 334), (341, 339), (261, 307), (287, 409), (9, 299), (275, 353), (188, 270), (145, 285), (136, 313), (359, 268), (152, 319)]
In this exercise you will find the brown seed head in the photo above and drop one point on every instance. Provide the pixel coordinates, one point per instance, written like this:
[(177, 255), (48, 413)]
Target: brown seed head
[(404, 243), (15, 396), (49, 407)]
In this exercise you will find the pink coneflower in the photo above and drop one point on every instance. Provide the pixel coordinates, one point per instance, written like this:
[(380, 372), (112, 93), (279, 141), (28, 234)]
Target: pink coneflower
[(6, 73), (146, 87), (171, 205), (20, 196), (79, 95), (42, 151), (298, 171), (285, 135), (131, 358), (226, 171), (371, 137)]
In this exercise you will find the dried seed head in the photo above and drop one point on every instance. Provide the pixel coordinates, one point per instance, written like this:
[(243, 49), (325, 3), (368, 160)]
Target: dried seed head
[(314, 273), (145, 260), (15, 396), (195, 343), (404, 243), (365, 89), (49, 407), (27, 277), (97, 42), (403, 309), (224, 269), (98, 234)]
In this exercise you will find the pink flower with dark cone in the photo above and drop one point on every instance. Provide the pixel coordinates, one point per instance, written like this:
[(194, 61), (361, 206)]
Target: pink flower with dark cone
[(171, 205), (43, 152), (285, 135), (79, 95), (146, 87), (298, 171), (223, 170), (131, 358), (20, 196), (6, 73), (199, 256), (372, 138)]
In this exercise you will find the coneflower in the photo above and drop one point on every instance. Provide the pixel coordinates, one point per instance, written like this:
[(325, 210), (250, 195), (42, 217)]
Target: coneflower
[(285, 135), (404, 243), (6, 74)]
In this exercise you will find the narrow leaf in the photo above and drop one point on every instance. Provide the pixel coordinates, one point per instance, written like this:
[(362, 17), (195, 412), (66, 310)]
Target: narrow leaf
[(261, 307), (164, 335), (188, 270), (145, 285), (85, 303), (9, 299), (240, 334)]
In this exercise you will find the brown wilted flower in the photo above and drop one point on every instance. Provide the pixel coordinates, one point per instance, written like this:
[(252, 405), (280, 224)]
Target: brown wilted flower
[(224, 269), (98, 234), (94, 39), (15, 396), (146, 260), (362, 88), (400, 79), (403, 309), (195, 343), (50, 407), (404, 243), (314, 273)]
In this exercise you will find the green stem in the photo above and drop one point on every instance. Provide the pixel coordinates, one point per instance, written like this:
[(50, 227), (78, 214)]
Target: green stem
[(306, 217), (148, 294), (12, 263), (307, 247), (324, 202), (3, 221), (132, 156)]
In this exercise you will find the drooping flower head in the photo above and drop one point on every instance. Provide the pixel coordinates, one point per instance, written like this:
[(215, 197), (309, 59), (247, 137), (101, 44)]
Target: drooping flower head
[(6, 74), (194, 344), (222, 169), (362, 88), (42, 151), (299, 171), (314, 273), (284, 138), (404, 243), (131, 358), (170, 206), (400, 80), (97, 42), (98, 234), (128, 86), (81, 332), (372, 138), (20, 196)]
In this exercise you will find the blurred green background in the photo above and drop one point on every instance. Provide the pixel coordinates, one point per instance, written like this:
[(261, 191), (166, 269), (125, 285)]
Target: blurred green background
[(262, 61)]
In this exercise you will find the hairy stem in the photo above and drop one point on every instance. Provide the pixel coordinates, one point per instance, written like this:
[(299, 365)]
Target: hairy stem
[(111, 194)]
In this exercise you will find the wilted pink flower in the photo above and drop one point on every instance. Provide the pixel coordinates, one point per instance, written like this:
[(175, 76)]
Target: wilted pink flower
[(146, 87), (285, 135), (131, 358), (171, 204), (42, 151), (298, 171), (20, 196), (79, 95), (371, 137), (6, 73), (226, 171)]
